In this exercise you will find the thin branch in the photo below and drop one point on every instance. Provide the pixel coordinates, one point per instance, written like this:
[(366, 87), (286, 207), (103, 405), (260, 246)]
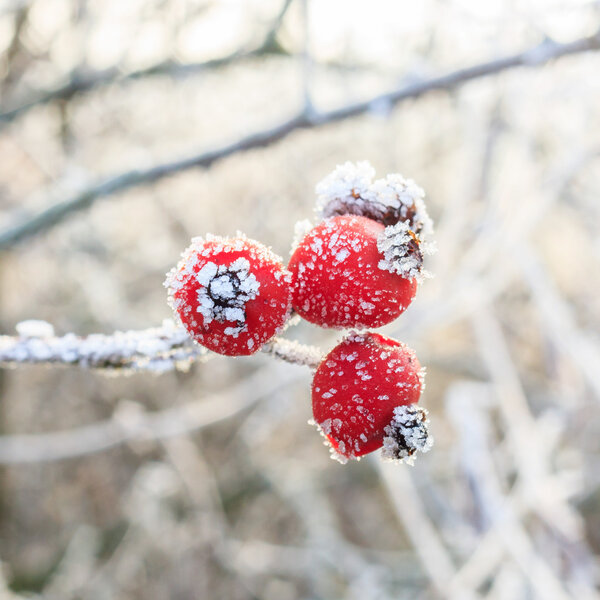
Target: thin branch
[(411, 513), (293, 352), (46, 219), (120, 429), (83, 82), (158, 350), (306, 58), (560, 322), (56, 213)]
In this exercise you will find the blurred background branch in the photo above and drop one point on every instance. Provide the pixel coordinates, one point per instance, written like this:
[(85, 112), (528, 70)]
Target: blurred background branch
[(53, 215), (84, 82)]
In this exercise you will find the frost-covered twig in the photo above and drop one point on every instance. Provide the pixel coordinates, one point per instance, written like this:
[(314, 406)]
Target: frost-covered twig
[(533, 57), (83, 82), (411, 513), (293, 352), (559, 320), (533, 458), (157, 349), (500, 513)]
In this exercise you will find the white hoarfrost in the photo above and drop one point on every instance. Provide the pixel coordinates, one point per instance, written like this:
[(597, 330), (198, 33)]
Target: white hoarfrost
[(224, 291), (158, 349), (405, 196), (406, 434), (401, 252), (34, 328), (324, 429), (347, 185), (350, 189)]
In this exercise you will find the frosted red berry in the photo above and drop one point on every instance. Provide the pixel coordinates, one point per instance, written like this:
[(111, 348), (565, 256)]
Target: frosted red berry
[(364, 396), (231, 294), (350, 271)]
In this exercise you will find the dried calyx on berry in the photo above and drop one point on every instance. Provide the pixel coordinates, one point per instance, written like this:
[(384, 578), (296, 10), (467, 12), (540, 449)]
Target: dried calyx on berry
[(407, 433), (224, 291), (350, 190), (231, 294), (401, 252)]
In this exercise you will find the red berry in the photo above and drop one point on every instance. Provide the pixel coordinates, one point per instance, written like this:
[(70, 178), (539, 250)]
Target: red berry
[(350, 271), (364, 392), (231, 295)]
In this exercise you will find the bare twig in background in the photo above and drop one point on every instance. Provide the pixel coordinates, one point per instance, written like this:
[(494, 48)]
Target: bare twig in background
[(559, 320), (6, 593), (502, 512), (138, 425), (422, 533), (15, 47), (157, 349), (84, 82), (532, 457), (306, 58), (533, 57)]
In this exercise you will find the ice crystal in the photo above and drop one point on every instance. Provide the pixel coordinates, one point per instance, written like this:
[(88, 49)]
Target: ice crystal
[(345, 190), (350, 190), (324, 429), (158, 349), (35, 329), (402, 200), (401, 252), (224, 291), (406, 434)]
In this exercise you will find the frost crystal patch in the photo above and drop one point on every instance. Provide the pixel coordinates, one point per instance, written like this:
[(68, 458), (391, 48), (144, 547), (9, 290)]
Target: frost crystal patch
[(350, 190), (406, 434), (401, 252), (224, 291)]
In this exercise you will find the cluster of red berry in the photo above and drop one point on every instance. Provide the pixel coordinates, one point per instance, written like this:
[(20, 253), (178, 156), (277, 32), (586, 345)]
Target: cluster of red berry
[(359, 267)]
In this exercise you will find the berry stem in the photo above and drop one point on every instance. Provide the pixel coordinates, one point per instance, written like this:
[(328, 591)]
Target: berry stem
[(159, 349)]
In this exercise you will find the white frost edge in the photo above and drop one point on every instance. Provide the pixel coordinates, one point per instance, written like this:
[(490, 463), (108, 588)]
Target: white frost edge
[(33, 328), (301, 228), (352, 184), (345, 182), (333, 453)]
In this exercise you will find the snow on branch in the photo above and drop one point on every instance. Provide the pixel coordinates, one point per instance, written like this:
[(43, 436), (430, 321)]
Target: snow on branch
[(536, 56), (158, 349)]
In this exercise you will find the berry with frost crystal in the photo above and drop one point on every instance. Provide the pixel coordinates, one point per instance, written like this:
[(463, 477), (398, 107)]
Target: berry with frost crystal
[(350, 271), (364, 396), (231, 294), (350, 190)]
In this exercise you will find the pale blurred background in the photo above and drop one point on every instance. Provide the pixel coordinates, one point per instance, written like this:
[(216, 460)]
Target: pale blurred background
[(507, 504)]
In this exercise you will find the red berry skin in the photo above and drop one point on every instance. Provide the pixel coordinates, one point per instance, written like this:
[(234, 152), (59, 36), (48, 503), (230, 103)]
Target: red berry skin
[(337, 280), (231, 294), (356, 388)]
